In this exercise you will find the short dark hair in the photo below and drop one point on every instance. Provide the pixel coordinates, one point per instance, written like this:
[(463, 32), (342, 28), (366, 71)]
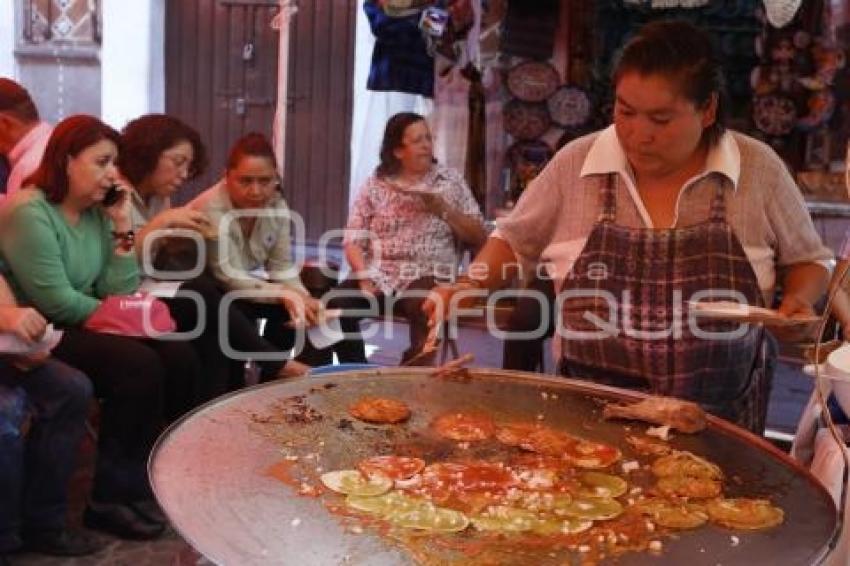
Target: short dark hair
[(684, 54), (394, 139), (144, 139), (69, 138), (253, 144), (16, 100)]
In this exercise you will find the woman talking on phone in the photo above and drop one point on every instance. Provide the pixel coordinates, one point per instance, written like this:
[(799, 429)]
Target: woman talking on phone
[(66, 253)]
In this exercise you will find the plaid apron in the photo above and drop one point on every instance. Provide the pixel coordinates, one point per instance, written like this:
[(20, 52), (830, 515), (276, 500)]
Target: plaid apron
[(639, 283)]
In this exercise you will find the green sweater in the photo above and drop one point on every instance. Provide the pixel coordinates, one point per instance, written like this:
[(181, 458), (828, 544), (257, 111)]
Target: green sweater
[(64, 270)]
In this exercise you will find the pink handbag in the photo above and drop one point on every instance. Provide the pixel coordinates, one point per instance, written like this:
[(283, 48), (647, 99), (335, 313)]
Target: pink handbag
[(140, 315)]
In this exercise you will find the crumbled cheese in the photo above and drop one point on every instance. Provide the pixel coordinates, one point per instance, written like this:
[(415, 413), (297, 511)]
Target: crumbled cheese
[(291, 458), (544, 395), (735, 540), (650, 526), (662, 432), (584, 548), (540, 417), (463, 445), (295, 522), (630, 466), (554, 395), (356, 529), (655, 545)]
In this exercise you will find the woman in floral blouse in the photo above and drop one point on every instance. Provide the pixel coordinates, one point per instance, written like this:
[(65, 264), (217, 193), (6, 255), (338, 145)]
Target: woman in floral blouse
[(403, 229)]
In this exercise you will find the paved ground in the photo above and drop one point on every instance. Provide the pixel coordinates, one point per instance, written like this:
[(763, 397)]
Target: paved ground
[(790, 393)]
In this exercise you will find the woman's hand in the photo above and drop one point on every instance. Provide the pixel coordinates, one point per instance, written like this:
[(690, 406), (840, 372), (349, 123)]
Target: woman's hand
[(441, 300), (368, 287), (24, 322), (302, 307), (119, 212), (795, 306), (435, 204), (187, 218)]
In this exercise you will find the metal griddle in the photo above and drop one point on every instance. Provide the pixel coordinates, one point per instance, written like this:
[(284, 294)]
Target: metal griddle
[(208, 470)]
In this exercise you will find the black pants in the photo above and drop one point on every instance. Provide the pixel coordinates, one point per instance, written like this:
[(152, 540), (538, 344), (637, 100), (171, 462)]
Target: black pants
[(524, 354), (140, 383), (408, 304), (281, 336), (220, 372), (35, 470)]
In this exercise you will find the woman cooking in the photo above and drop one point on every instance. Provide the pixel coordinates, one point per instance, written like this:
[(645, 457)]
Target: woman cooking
[(660, 206)]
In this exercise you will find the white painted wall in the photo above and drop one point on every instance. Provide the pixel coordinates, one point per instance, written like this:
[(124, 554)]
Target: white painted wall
[(132, 60), (7, 39)]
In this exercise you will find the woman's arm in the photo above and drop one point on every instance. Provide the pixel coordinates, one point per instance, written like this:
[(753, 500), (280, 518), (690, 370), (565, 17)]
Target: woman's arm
[(178, 217), (494, 266), (359, 267), (120, 274), (468, 229), (33, 253)]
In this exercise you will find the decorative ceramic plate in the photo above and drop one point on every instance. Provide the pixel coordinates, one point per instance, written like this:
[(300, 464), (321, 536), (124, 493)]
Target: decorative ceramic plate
[(532, 81), (569, 106), (526, 120), (774, 115)]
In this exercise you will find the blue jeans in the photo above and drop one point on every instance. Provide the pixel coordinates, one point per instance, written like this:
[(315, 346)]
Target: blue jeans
[(35, 470)]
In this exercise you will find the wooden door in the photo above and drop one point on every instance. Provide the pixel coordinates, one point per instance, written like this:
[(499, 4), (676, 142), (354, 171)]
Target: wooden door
[(221, 77), (319, 111), (221, 73)]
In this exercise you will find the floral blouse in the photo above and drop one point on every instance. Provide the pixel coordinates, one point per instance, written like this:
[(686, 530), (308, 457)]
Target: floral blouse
[(402, 240)]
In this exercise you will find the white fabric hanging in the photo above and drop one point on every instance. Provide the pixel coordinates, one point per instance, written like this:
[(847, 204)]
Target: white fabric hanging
[(372, 109), (281, 22), (780, 12)]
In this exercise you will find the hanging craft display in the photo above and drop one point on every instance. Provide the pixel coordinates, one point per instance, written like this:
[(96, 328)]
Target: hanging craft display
[(569, 106), (532, 81), (526, 120), (780, 12), (775, 115)]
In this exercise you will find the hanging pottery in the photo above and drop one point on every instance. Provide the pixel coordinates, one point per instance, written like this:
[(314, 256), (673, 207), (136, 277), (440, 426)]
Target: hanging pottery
[(526, 120), (774, 115), (569, 106), (532, 81)]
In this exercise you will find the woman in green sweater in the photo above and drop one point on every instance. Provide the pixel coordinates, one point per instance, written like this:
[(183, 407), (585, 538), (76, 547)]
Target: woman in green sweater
[(66, 252)]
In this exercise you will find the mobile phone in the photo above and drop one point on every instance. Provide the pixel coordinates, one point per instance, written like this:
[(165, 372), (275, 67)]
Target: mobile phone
[(112, 196)]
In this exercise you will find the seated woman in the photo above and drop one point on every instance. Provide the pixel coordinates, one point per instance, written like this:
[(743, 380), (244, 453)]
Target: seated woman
[(258, 241), (403, 227), (66, 252), (159, 154), (37, 464)]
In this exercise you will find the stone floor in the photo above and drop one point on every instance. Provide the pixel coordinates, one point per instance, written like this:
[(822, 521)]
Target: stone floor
[(790, 392)]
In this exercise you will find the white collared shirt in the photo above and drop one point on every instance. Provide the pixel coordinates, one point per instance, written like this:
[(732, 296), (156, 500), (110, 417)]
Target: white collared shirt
[(555, 214)]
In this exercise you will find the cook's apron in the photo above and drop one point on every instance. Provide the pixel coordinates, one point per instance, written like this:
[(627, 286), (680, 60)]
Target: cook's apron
[(646, 278)]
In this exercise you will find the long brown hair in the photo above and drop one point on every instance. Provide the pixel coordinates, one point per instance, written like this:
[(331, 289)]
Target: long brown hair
[(70, 137)]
